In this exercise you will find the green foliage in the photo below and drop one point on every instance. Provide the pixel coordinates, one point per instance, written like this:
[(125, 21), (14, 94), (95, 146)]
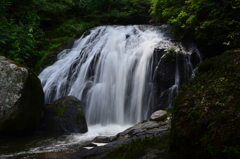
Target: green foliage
[(62, 33), (20, 35), (22, 24), (52, 11), (170, 54), (105, 10), (60, 111), (135, 148), (31, 29), (206, 119), (210, 22)]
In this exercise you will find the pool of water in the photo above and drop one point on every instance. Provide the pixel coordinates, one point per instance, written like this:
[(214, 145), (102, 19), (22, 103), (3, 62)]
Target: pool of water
[(42, 145)]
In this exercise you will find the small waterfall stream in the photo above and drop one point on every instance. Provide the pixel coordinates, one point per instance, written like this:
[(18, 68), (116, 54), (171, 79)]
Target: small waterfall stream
[(109, 71), (121, 75)]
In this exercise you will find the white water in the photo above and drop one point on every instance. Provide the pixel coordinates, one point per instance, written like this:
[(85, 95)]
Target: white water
[(37, 145), (108, 70)]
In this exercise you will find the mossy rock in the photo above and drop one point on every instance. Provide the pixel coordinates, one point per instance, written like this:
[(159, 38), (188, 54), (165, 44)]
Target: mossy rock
[(65, 116), (21, 98), (206, 117)]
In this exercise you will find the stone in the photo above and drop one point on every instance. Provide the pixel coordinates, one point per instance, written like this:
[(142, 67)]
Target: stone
[(159, 115), (65, 116), (21, 98), (169, 75), (142, 130), (101, 139)]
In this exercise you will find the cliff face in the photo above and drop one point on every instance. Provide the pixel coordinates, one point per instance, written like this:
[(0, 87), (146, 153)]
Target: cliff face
[(206, 114)]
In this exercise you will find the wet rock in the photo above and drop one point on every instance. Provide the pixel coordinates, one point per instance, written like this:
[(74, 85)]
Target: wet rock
[(166, 98), (195, 59), (101, 139), (171, 70), (65, 116), (139, 131), (21, 98), (144, 129), (90, 145), (159, 115)]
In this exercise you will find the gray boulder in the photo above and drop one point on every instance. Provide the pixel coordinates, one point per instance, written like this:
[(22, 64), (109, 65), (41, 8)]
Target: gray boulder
[(144, 129), (65, 116), (159, 115), (21, 98)]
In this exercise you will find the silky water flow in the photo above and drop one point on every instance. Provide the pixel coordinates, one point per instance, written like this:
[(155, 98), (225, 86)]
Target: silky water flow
[(111, 70)]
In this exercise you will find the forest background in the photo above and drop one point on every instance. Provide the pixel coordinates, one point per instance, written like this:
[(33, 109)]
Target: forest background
[(31, 29)]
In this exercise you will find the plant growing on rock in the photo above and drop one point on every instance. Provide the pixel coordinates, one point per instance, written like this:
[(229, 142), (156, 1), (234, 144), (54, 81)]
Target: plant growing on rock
[(170, 54)]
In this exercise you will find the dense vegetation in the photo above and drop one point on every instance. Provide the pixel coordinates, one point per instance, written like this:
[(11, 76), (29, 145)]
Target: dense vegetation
[(22, 33), (31, 29), (206, 115), (213, 24), (206, 119)]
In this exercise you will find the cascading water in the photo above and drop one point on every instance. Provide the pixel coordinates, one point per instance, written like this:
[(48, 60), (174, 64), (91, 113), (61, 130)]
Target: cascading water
[(120, 73), (109, 70)]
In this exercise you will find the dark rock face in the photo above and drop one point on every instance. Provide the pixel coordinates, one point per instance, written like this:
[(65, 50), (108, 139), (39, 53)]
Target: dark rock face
[(65, 116), (101, 139), (165, 98), (170, 72), (21, 98)]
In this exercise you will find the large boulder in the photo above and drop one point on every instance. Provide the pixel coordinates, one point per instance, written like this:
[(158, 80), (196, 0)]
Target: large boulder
[(173, 64), (21, 98), (65, 116)]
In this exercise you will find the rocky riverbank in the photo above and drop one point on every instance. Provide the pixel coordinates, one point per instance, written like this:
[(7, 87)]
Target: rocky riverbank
[(102, 145)]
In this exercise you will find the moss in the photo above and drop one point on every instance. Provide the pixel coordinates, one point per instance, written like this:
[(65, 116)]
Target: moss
[(206, 115), (81, 117), (170, 54), (60, 111)]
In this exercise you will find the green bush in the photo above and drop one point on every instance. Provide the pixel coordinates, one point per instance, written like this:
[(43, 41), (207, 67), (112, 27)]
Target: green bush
[(20, 35), (105, 10), (213, 23)]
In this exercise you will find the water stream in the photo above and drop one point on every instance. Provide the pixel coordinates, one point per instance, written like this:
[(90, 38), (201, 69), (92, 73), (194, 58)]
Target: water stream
[(110, 70)]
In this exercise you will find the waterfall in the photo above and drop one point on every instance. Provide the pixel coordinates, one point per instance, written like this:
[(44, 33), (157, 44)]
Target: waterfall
[(110, 70)]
